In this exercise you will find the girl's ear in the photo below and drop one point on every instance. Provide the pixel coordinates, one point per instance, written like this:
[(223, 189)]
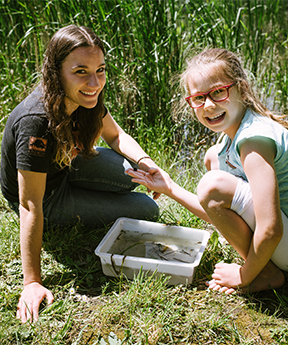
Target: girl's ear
[(243, 88), (246, 93)]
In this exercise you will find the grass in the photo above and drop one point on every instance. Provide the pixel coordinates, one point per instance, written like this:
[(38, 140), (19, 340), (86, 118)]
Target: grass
[(90, 307), (147, 43), (147, 47)]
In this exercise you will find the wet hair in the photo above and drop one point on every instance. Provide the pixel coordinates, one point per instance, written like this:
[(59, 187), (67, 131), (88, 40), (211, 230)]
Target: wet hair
[(229, 67), (63, 42)]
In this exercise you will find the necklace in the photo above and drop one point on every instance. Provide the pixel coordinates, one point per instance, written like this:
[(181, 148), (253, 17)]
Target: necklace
[(74, 121)]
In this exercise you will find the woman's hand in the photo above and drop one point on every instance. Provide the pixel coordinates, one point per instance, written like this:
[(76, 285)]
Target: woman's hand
[(155, 179), (30, 300)]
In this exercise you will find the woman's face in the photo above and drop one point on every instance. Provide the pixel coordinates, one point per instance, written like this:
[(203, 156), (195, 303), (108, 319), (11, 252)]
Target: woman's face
[(83, 77)]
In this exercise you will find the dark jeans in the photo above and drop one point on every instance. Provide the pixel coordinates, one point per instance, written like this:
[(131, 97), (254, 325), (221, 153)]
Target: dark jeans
[(97, 192)]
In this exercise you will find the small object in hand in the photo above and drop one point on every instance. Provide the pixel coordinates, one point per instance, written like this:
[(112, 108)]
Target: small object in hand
[(135, 169)]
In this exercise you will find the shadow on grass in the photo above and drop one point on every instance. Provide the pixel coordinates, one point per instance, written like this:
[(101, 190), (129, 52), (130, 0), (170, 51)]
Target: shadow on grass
[(73, 249), (273, 301)]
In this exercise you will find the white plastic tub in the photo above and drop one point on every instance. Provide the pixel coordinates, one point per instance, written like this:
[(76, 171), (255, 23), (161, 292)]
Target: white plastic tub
[(133, 244)]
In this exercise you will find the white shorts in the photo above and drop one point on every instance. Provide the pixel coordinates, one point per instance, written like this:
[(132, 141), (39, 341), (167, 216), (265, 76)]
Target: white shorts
[(242, 204)]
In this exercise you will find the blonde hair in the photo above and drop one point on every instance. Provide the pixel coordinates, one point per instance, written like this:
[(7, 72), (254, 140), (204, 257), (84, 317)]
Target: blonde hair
[(229, 66)]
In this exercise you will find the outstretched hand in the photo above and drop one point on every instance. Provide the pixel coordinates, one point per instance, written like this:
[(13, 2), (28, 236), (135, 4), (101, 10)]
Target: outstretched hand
[(30, 300), (155, 179)]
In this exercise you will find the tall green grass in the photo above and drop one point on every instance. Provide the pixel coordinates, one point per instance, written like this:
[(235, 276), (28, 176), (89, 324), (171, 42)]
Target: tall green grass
[(147, 43)]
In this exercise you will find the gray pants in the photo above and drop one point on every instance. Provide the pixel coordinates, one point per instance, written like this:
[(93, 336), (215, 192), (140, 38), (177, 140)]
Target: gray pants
[(97, 192)]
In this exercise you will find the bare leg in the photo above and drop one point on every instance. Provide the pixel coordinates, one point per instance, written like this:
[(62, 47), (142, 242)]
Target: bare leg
[(215, 193)]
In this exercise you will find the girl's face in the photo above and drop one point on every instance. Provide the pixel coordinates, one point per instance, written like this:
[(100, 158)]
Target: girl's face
[(83, 77), (222, 116)]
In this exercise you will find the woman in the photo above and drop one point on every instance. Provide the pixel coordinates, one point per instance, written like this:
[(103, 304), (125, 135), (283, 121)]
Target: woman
[(50, 169)]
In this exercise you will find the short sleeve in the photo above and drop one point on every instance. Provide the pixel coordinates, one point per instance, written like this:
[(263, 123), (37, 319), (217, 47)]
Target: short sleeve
[(33, 144)]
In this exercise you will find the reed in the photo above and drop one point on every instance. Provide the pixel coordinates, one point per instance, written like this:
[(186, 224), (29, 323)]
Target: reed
[(147, 43)]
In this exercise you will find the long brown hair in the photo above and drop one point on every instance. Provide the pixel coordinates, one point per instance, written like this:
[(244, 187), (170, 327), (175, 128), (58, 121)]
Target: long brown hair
[(230, 68), (63, 42)]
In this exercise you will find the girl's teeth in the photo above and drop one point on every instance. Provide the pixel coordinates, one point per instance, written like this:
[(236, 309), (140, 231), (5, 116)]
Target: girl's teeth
[(216, 117)]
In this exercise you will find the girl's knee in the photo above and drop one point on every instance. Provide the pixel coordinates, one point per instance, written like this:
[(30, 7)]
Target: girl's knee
[(207, 187), (216, 187)]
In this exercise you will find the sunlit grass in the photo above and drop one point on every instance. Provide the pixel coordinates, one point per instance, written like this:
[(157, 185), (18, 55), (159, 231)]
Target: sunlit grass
[(89, 306)]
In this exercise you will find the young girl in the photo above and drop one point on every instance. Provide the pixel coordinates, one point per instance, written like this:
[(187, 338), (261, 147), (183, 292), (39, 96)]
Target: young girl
[(245, 192), (50, 169)]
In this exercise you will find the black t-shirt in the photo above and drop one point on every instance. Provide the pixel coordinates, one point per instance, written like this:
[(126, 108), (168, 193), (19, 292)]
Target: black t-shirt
[(28, 145)]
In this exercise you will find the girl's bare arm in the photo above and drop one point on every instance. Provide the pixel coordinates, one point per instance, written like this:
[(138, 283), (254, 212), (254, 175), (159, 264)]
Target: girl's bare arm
[(159, 181), (257, 155)]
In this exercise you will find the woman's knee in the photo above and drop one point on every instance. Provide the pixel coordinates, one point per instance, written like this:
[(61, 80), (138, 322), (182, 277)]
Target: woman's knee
[(105, 172), (148, 209)]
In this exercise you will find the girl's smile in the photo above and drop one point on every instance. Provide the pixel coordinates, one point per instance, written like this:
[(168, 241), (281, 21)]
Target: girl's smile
[(216, 118), (83, 77), (224, 116)]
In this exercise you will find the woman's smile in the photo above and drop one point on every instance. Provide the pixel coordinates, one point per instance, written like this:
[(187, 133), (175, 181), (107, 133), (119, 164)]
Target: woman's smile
[(86, 93)]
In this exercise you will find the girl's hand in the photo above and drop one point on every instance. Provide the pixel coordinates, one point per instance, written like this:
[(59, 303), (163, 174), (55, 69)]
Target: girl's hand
[(215, 287), (155, 179), (227, 275)]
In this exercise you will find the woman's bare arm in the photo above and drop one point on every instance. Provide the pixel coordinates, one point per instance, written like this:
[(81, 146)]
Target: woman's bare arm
[(31, 192)]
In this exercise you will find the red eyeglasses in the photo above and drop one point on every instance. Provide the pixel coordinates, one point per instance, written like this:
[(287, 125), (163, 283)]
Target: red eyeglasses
[(219, 94)]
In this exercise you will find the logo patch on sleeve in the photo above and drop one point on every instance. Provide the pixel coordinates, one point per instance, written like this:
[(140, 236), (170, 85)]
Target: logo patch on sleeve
[(37, 146)]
